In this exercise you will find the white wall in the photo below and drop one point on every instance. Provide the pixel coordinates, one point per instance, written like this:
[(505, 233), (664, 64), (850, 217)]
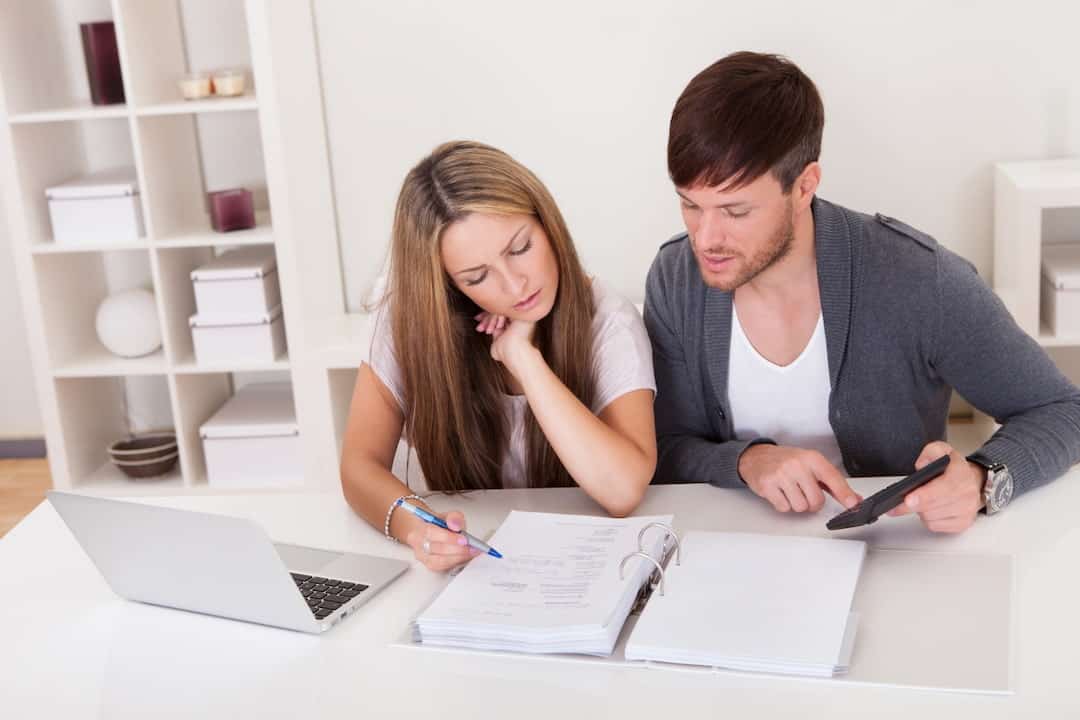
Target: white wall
[(19, 414), (921, 98)]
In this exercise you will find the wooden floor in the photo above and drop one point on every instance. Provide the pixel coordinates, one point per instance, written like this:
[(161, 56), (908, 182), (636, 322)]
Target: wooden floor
[(22, 486)]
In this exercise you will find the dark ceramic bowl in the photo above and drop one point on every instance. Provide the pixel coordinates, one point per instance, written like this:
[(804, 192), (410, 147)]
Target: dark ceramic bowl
[(146, 456)]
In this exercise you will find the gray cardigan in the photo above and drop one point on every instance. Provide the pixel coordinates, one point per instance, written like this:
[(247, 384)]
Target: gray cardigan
[(906, 321)]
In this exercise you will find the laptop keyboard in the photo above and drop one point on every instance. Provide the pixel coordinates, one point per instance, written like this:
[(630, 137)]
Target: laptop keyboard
[(325, 595)]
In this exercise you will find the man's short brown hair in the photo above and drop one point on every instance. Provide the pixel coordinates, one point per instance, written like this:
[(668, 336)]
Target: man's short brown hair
[(745, 115)]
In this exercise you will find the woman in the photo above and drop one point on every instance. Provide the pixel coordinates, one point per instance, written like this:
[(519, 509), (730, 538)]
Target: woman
[(503, 362)]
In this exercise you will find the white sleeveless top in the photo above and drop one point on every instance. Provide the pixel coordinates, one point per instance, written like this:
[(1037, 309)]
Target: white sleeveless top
[(789, 403), (622, 357)]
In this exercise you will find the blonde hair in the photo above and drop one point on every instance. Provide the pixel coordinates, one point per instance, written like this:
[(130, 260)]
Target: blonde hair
[(454, 415)]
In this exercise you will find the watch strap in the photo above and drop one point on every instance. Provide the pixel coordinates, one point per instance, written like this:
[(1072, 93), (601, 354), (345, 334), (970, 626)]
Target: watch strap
[(980, 459)]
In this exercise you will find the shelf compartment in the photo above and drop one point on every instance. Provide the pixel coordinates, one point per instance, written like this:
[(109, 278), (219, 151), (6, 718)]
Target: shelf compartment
[(178, 300), (41, 59), (175, 37), (96, 412), (178, 152), (71, 287), (256, 444), (51, 153)]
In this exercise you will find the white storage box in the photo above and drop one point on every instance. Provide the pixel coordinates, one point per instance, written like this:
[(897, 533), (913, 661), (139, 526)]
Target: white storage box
[(239, 281), (253, 439), (1060, 289), (103, 207), (225, 339)]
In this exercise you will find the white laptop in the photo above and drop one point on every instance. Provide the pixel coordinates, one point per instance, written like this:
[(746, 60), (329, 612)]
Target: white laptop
[(220, 565)]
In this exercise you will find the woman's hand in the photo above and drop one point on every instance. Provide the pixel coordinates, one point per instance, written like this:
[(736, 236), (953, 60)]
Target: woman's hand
[(440, 549), (511, 340)]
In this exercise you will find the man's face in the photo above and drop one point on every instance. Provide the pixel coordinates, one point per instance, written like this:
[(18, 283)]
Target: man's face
[(737, 234)]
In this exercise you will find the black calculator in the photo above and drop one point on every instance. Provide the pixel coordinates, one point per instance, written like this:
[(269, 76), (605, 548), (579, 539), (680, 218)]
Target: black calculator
[(885, 500)]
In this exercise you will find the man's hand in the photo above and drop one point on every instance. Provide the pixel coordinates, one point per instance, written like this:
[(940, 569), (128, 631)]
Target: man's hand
[(793, 478), (949, 502)]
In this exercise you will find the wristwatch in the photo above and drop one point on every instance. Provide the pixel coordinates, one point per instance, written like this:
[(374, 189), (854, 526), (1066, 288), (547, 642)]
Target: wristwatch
[(998, 488)]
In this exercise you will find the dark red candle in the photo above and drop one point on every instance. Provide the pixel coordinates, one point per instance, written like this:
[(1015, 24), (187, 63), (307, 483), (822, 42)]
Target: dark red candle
[(231, 210), (102, 63)]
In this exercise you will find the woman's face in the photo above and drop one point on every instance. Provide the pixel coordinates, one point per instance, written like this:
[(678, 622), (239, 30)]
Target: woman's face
[(503, 263)]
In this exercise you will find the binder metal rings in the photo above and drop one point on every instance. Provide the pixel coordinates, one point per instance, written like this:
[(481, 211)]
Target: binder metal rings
[(656, 578), (669, 533), (651, 559)]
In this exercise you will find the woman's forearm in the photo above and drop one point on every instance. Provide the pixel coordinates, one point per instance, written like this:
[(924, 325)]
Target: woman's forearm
[(609, 466), (370, 488)]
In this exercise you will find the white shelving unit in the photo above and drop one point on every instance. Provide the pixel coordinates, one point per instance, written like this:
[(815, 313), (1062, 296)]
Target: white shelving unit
[(1024, 192), (49, 132)]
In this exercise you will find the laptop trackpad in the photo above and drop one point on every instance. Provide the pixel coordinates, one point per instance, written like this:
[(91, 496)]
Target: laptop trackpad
[(304, 559)]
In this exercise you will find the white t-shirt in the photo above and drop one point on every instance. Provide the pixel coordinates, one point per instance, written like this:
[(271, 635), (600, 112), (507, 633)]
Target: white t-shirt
[(622, 358), (789, 403)]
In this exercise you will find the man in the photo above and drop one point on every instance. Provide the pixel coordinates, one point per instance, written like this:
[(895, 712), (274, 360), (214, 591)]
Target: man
[(795, 339)]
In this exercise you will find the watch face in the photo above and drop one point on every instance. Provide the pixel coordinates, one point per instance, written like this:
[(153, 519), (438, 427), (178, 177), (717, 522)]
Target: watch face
[(1003, 489)]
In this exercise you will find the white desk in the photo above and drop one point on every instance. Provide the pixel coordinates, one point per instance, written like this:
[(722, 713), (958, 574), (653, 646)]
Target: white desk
[(70, 648)]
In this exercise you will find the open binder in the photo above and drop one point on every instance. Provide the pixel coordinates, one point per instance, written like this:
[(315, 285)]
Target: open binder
[(740, 601), (950, 598)]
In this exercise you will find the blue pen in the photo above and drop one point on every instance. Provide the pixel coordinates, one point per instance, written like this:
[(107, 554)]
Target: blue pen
[(427, 517)]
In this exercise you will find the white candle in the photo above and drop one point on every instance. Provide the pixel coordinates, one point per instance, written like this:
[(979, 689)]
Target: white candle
[(229, 82), (195, 85)]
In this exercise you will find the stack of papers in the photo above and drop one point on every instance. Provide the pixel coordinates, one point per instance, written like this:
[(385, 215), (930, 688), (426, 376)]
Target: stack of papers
[(758, 603), (556, 589)]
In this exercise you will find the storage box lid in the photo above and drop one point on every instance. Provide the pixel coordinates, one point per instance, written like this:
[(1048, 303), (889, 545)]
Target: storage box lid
[(248, 262), (234, 319), (117, 182), (1061, 265), (256, 410)]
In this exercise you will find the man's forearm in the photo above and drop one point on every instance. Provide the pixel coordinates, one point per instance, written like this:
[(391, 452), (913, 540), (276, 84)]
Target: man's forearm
[(687, 459)]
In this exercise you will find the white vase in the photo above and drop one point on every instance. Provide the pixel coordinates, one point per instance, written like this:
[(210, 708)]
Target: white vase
[(127, 323)]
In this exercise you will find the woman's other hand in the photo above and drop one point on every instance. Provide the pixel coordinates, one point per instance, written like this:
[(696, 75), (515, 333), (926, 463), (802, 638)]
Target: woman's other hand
[(511, 340)]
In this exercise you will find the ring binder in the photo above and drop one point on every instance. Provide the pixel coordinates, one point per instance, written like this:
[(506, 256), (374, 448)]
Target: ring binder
[(651, 559)]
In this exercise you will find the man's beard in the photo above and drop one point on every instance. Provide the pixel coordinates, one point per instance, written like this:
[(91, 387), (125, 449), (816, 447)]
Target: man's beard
[(778, 246)]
